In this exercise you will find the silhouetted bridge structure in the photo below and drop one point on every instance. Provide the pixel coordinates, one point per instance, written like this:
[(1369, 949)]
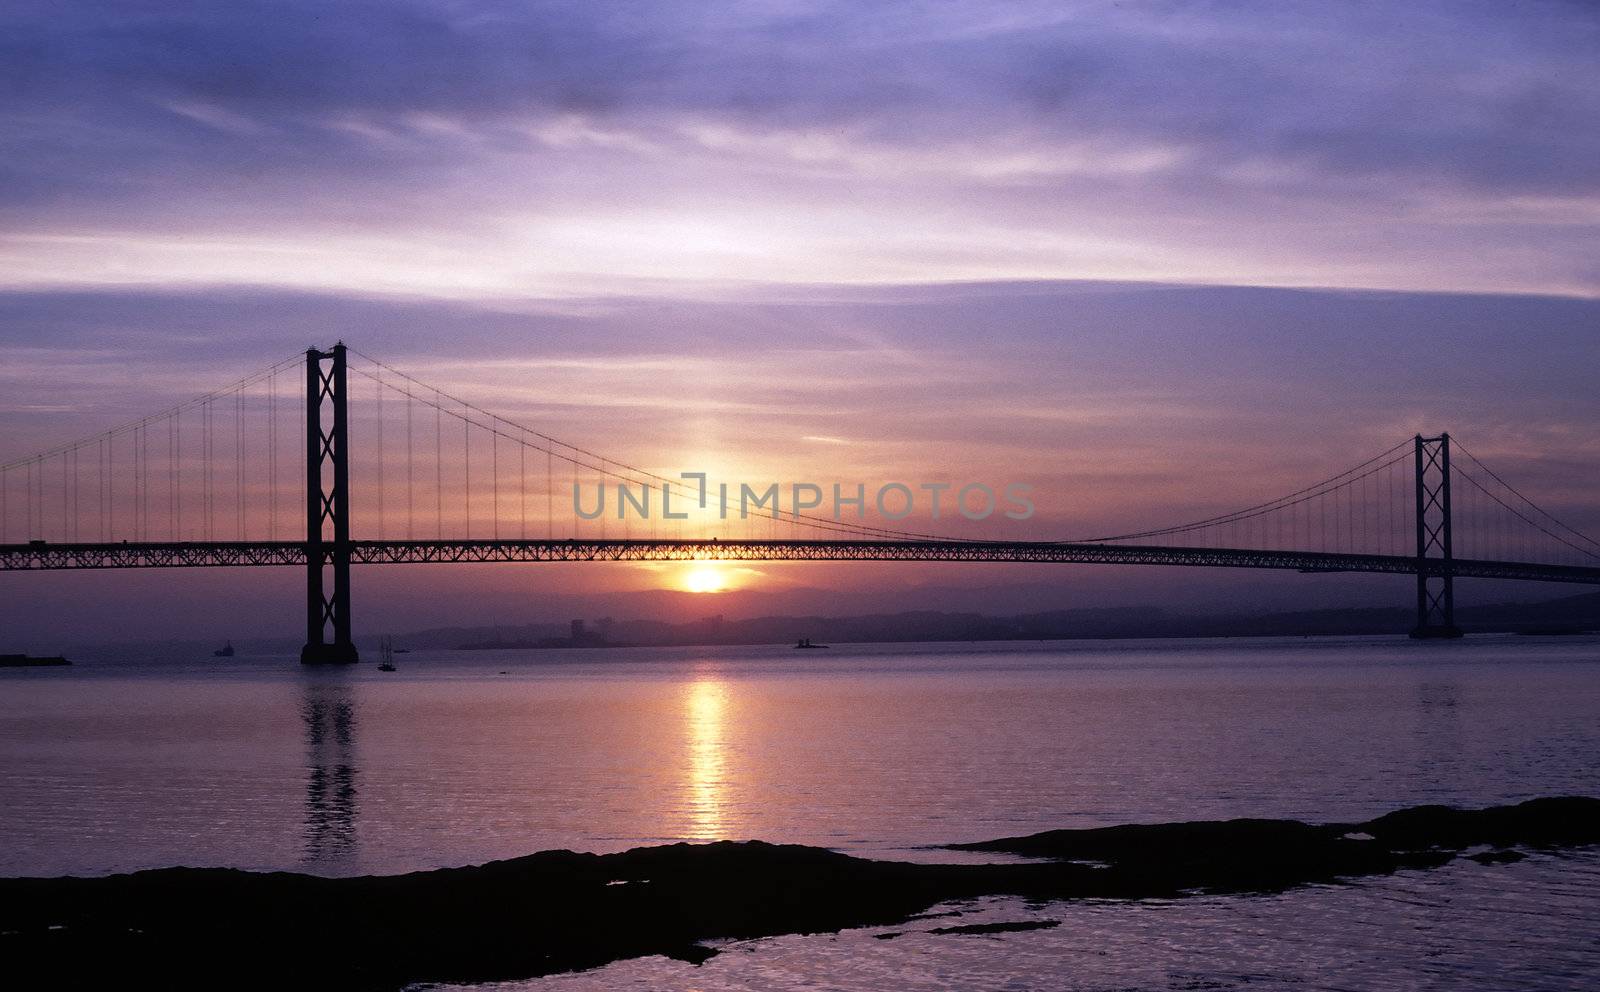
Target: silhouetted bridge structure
[(1393, 514)]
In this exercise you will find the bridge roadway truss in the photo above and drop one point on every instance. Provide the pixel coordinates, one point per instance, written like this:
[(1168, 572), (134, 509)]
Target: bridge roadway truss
[(46, 556)]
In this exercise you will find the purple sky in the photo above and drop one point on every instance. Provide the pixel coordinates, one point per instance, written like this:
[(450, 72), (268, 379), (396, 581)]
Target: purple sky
[(1172, 258), (507, 149)]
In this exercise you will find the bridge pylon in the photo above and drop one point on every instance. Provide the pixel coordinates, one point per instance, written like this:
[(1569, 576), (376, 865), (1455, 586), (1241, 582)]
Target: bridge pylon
[(1436, 591), (327, 509)]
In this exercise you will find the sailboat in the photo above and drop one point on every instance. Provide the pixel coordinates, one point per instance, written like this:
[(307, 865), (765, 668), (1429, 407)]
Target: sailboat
[(386, 652), (226, 651)]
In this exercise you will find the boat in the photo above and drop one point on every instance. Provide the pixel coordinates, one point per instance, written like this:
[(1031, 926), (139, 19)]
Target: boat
[(226, 651), (386, 652), (804, 644)]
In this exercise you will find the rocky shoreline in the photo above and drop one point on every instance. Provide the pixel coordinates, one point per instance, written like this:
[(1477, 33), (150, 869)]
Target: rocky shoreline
[(559, 911)]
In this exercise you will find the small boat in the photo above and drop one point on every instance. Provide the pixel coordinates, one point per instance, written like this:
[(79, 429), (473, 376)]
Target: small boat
[(226, 651), (804, 644), (386, 652)]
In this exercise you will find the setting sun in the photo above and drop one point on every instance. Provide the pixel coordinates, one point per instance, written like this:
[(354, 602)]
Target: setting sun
[(705, 577)]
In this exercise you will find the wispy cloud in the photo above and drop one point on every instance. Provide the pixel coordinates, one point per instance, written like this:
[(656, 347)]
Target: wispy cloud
[(509, 149)]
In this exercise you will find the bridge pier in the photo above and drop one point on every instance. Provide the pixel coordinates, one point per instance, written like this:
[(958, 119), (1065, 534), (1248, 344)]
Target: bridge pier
[(1436, 590), (327, 505)]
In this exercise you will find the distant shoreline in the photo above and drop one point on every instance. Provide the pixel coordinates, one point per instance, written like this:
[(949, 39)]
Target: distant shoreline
[(558, 645), (1565, 616), (29, 661)]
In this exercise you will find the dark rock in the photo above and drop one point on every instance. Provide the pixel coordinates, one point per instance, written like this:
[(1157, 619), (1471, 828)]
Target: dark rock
[(1497, 857), (185, 928), (975, 929)]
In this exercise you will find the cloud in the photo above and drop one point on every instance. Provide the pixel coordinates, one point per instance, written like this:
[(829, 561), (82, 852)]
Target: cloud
[(476, 149), (1079, 383), (1471, 89)]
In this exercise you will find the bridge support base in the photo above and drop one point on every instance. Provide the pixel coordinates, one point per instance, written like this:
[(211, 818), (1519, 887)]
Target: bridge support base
[(1435, 632), (329, 654)]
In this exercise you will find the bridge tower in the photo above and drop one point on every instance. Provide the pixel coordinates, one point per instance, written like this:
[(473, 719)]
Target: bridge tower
[(1436, 592), (327, 508)]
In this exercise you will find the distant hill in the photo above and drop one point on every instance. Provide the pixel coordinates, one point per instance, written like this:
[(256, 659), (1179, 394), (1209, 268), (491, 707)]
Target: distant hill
[(1565, 615), (1568, 614)]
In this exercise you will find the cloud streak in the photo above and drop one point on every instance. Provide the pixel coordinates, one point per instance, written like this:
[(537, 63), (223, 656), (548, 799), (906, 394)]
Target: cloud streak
[(495, 148)]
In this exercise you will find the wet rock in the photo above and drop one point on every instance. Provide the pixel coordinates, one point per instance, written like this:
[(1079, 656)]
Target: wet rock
[(1497, 857), (187, 928), (976, 929)]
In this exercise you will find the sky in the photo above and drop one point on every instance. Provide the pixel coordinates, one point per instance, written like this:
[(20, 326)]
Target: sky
[(1162, 259)]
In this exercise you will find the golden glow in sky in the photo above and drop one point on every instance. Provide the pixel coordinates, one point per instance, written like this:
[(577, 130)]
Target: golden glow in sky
[(706, 576)]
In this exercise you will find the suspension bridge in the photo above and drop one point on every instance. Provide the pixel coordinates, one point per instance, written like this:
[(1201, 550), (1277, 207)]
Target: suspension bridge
[(267, 470)]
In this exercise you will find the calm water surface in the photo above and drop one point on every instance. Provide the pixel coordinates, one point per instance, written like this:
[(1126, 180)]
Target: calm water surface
[(1528, 926), (460, 758)]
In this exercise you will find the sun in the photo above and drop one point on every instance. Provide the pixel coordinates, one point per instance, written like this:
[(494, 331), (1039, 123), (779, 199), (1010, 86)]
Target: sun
[(705, 577)]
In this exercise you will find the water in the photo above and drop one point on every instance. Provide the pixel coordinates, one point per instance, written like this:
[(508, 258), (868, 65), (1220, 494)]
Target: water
[(460, 758), (1529, 926)]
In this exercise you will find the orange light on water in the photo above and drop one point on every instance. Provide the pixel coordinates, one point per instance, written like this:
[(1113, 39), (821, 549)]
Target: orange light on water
[(705, 719)]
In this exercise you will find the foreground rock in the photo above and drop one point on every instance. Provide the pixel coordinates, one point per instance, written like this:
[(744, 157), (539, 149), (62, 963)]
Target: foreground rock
[(557, 911)]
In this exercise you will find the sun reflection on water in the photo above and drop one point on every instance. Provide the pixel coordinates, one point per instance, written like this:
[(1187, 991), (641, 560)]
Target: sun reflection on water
[(705, 718)]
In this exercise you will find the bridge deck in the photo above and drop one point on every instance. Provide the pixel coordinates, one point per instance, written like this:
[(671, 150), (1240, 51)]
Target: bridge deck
[(47, 556)]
